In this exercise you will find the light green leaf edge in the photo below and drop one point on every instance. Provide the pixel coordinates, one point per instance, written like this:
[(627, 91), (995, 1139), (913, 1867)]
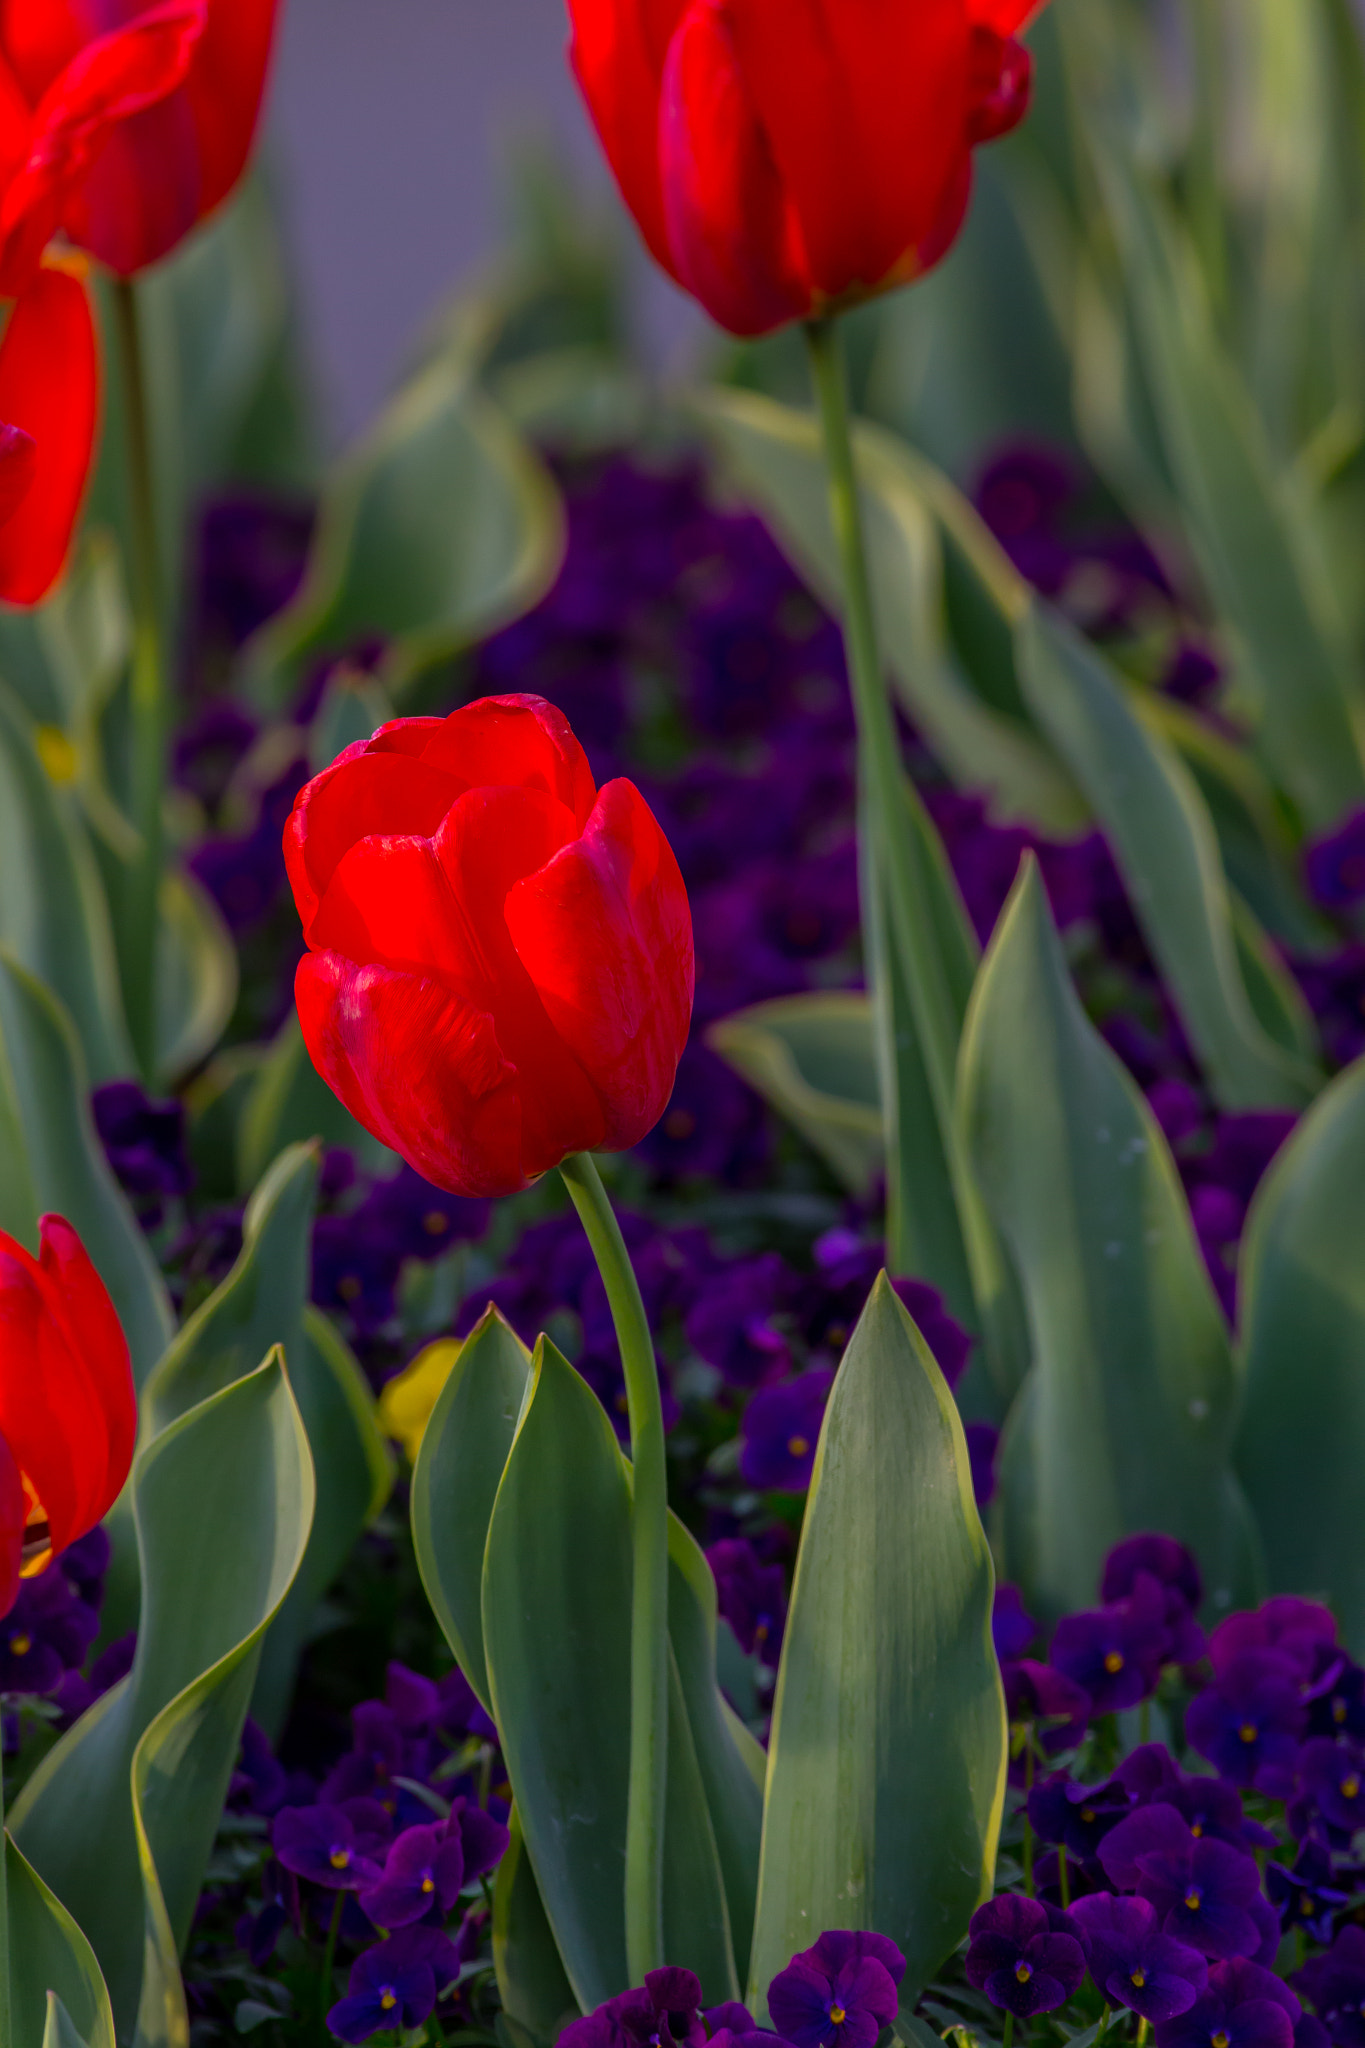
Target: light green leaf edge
[(196, 976), (50, 1959)]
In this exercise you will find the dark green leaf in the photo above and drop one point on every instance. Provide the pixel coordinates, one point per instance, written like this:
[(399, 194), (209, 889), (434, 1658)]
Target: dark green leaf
[(886, 1772), (536, 1995), (49, 1956), (813, 1058)]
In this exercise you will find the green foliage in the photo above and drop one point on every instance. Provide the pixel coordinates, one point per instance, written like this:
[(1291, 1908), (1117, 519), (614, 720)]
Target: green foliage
[(287, 1102), (1299, 1444), (813, 1058), (51, 1158), (537, 1998), (49, 1960), (886, 1771), (196, 977), (1126, 1421), (120, 1816)]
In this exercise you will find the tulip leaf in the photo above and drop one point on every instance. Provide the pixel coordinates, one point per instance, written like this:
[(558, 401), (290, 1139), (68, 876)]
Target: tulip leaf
[(49, 1958), (54, 917), (1127, 1418), (886, 1771), (51, 1159), (814, 1059), (1252, 547), (288, 1101), (440, 525), (196, 970), (455, 1482), (1302, 1432), (1166, 848), (537, 1998), (775, 455), (556, 1634), (119, 1818)]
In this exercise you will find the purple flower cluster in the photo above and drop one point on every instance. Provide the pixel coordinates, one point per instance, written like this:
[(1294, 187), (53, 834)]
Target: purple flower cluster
[(361, 1244), (144, 1142), (46, 1637)]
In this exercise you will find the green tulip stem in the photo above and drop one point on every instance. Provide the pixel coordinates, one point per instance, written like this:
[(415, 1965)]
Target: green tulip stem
[(649, 1599), (149, 710), (888, 800), (6, 2017)]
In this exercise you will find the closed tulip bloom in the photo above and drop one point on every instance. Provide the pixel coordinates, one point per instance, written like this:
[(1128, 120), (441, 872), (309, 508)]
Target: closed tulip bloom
[(126, 122), (500, 967), (784, 158), (68, 1412)]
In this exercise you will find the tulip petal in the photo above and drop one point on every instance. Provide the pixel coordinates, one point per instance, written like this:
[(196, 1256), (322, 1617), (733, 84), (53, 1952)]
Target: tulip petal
[(51, 1412), (225, 88), (418, 1068), (605, 933), (13, 1515), (513, 742), (363, 794), (864, 103), (18, 466), (49, 388), (735, 238), (79, 1300), (1006, 17), (39, 41), (618, 50)]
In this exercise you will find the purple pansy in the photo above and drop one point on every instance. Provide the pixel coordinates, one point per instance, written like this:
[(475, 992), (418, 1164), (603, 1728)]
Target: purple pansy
[(1020, 1959), (1058, 1708), (1249, 1721), (1115, 1652), (642, 2018), (781, 1429), (1244, 2006), (751, 1595), (424, 1867), (323, 1844), (46, 1633), (1335, 865), (1332, 1778), (1076, 1816), (838, 1994), (730, 1326), (1174, 1570), (394, 1984), (1133, 1962), (1335, 1983), (1305, 1895)]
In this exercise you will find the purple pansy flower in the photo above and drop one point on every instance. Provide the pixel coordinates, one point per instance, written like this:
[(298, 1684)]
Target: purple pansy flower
[(1058, 1708), (752, 1597), (1332, 1777), (394, 1984), (1020, 1959), (1243, 2007), (1306, 1896), (1248, 1722), (642, 2018), (1335, 865), (729, 1325), (839, 1994), (423, 1868), (1076, 1816), (323, 1844), (1336, 1985), (1173, 1568), (1115, 1652), (1295, 1630), (781, 1429), (45, 1633), (1012, 1629), (1133, 1962)]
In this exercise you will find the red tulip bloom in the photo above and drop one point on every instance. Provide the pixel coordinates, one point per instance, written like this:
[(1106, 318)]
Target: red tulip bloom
[(123, 123), (68, 1412), (49, 408), (500, 970), (784, 158)]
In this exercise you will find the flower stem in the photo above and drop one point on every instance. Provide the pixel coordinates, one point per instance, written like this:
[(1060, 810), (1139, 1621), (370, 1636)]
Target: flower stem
[(329, 1964), (1008, 2034), (149, 708), (6, 2017), (649, 1601)]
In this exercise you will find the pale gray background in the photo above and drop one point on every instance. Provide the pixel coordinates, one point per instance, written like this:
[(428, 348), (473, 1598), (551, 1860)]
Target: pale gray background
[(390, 123)]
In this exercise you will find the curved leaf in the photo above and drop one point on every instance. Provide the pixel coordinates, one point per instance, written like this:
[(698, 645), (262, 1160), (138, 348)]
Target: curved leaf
[(51, 1158), (120, 1816), (1302, 1433), (50, 1958), (537, 1998), (556, 1634), (196, 976), (814, 1059), (455, 1481), (1132, 1399), (53, 914), (438, 526), (886, 1771)]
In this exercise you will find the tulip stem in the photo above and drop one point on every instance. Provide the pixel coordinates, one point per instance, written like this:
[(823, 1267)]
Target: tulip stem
[(894, 905), (6, 2016), (649, 1598), (139, 925)]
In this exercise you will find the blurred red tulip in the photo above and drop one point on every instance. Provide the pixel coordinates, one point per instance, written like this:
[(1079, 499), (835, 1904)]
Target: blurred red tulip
[(785, 158), (68, 1412), (49, 407), (500, 970), (123, 122)]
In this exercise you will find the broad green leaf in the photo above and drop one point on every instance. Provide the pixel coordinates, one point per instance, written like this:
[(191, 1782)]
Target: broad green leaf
[(455, 1482), (1250, 541), (886, 1764), (50, 1958), (53, 914), (1302, 1432), (1166, 848), (537, 1998), (1128, 1416), (119, 1818), (259, 1304), (437, 527), (287, 1102), (51, 1158), (59, 2030), (556, 1635), (196, 975), (775, 455), (353, 1469), (814, 1059)]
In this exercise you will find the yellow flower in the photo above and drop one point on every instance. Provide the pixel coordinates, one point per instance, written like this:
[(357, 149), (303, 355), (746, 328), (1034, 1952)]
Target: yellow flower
[(405, 1404)]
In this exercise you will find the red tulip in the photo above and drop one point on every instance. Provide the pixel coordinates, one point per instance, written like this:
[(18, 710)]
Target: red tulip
[(49, 407), (500, 970), (784, 158), (68, 1412), (125, 122)]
